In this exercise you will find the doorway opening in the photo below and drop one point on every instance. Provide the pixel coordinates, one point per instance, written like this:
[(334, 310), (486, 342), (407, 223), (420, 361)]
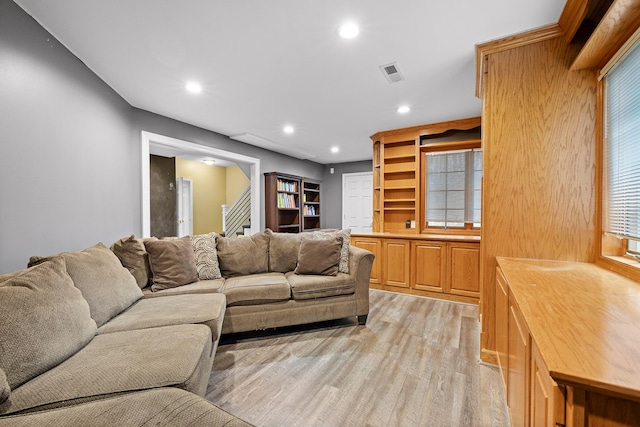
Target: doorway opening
[(154, 142)]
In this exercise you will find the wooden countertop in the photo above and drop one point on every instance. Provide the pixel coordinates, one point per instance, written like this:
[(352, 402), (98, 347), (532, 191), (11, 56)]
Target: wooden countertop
[(584, 319), (440, 237)]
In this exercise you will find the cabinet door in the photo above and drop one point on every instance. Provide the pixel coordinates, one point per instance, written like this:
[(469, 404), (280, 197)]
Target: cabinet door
[(547, 402), (464, 269), (429, 264), (395, 267), (372, 245), (502, 324), (518, 377)]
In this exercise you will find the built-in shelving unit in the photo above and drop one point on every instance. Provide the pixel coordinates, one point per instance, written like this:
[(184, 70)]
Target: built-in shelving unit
[(310, 205)]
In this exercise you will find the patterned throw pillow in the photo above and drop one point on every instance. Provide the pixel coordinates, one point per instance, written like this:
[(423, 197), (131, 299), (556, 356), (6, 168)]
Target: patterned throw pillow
[(204, 249), (345, 234)]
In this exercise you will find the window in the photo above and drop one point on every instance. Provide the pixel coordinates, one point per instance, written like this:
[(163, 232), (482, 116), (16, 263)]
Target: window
[(453, 183), (622, 150)]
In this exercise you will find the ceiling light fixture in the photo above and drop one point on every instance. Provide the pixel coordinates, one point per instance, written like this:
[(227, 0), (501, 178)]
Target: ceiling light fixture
[(209, 162), (288, 129), (403, 109), (348, 30), (193, 87), (335, 149)]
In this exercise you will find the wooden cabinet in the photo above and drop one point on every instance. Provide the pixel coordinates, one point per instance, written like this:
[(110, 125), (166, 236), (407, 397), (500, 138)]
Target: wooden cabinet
[(430, 266), (395, 261), (373, 246), (424, 265), (568, 346), (502, 325), (292, 203), (464, 269), (518, 369)]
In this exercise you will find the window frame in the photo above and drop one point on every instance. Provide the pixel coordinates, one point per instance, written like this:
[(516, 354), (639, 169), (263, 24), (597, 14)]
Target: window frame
[(435, 147), (611, 250)]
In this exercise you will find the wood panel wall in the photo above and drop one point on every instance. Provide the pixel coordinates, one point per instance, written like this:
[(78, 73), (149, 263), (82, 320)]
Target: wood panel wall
[(538, 125)]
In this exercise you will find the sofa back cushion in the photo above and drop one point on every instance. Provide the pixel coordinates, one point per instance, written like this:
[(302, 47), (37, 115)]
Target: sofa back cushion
[(107, 286), (44, 321), (133, 256), (345, 234), (243, 255), (172, 262), (283, 251)]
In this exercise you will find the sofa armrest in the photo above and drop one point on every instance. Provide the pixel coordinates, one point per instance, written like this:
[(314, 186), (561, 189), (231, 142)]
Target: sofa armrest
[(360, 262)]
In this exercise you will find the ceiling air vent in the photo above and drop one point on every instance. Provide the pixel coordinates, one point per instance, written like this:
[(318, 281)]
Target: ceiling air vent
[(392, 72)]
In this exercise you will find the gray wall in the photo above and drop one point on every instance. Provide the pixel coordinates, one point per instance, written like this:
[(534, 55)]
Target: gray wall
[(332, 190), (68, 170), (70, 149)]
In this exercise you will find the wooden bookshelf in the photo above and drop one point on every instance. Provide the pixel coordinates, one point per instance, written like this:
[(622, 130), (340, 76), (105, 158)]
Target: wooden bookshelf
[(292, 203)]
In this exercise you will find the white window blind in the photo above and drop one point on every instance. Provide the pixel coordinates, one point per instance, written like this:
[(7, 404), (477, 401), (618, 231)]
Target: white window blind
[(622, 147), (454, 180)]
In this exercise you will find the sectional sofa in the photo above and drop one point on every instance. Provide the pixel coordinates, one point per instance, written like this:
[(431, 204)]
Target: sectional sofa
[(127, 335)]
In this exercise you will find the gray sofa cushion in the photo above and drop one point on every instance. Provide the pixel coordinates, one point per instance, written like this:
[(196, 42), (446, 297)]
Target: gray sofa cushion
[(205, 309), (162, 407), (5, 390), (133, 256), (243, 255), (257, 289), (206, 255), (43, 321), (283, 251), (107, 286), (319, 257), (199, 287), (310, 287), (175, 356), (172, 262)]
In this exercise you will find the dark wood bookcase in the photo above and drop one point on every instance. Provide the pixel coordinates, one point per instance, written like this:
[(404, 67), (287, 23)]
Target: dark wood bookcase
[(292, 203)]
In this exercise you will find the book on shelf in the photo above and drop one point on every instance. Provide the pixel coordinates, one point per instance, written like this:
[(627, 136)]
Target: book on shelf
[(309, 210), (286, 201), (287, 186)]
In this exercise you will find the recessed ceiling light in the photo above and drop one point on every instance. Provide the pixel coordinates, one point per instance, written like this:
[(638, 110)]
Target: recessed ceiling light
[(209, 162), (194, 87), (335, 149), (348, 30), (403, 109), (288, 129)]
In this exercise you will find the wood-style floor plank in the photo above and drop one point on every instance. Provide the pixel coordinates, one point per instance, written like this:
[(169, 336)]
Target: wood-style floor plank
[(415, 363)]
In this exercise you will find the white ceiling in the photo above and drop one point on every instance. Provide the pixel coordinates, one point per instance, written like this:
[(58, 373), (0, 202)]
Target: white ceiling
[(264, 64)]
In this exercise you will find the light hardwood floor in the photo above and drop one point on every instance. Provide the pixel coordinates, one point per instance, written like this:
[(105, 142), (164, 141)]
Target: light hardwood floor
[(415, 363)]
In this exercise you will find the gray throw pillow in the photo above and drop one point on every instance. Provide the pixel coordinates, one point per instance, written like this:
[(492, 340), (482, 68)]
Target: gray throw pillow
[(243, 255), (319, 257), (344, 250), (45, 320), (107, 286), (206, 255), (172, 262)]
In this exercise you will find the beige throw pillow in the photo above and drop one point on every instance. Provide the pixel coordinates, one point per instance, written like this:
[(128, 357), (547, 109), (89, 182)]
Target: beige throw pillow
[(107, 286), (243, 255), (319, 257), (206, 255), (172, 262), (283, 250), (45, 320), (344, 250)]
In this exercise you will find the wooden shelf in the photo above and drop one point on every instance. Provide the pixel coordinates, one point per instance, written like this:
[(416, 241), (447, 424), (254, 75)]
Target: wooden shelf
[(400, 156), (389, 208)]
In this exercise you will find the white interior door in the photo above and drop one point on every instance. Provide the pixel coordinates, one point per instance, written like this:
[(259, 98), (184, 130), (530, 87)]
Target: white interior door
[(184, 207), (357, 206)]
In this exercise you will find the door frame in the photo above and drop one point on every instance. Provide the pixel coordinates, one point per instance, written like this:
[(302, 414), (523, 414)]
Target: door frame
[(180, 231), (344, 197), (148, 139)]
